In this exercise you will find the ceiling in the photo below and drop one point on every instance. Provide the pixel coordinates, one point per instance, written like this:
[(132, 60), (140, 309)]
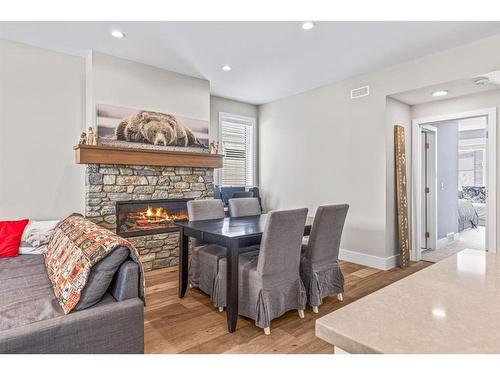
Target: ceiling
[(461, 87), (269, 60)]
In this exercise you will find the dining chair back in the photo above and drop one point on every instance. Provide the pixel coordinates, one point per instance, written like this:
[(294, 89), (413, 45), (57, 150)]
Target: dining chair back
[(239, 207), (205, 209), (279, 256), (326, 233)]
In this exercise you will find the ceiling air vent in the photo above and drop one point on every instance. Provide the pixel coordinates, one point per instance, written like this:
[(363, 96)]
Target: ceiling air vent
[(360, 92)]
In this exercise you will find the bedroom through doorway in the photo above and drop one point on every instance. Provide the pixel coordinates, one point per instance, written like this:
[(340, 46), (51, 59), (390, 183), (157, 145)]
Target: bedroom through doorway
[(454, 185)]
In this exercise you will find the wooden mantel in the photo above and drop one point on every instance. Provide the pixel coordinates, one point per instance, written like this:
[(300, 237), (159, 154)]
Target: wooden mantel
[(86, 154)]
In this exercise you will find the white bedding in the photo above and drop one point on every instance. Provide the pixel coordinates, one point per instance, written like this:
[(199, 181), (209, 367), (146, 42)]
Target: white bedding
[(481, 212)]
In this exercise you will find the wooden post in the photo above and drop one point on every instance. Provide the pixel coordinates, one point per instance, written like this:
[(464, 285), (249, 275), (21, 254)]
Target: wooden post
[(401, 195)]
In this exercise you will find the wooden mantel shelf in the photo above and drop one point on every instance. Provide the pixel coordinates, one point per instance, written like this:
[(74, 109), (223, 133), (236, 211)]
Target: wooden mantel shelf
[(86, 154)]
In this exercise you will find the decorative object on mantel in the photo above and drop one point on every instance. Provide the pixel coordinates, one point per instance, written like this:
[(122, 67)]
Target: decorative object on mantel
[(127, 127), (85, 154), (83, 138), (214, 147), (401, 195), (91, 137)]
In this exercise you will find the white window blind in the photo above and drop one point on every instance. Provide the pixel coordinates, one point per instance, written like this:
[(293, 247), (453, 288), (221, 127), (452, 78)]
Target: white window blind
[(237, 144)]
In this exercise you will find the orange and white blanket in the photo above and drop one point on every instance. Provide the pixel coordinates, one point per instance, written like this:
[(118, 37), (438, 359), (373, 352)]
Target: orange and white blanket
[(76, 246)]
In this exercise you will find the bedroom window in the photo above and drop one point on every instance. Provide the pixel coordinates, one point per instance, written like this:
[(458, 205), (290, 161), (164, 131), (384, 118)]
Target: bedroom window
[(237, 142), (471, 167)]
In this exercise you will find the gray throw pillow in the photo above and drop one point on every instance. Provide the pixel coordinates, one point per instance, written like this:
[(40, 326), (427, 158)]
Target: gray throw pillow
[(100, 278)]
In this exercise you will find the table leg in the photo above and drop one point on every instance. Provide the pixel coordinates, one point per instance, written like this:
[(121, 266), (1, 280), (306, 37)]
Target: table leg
[(183, 262), (232, 287)]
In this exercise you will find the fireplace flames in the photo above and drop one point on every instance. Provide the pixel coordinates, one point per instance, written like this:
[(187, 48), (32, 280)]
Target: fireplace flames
[(150, 219)]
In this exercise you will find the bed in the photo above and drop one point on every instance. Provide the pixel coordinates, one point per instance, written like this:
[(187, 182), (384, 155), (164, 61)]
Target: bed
[(467, 215), (471, 207)]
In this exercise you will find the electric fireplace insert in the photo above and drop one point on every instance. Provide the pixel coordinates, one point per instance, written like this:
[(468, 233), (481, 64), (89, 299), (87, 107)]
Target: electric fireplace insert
[(144, 217)]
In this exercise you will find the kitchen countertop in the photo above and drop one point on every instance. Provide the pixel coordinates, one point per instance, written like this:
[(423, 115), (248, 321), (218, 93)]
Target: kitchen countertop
[(452, 306)]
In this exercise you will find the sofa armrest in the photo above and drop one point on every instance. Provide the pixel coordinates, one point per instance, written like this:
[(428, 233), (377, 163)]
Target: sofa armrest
[(125, 284), (108, 327)]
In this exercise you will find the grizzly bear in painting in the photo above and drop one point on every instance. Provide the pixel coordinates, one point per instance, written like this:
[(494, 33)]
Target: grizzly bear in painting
[(156, 128)]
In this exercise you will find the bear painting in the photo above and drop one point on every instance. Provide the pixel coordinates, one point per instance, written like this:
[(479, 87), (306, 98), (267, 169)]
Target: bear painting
[(124, 127)]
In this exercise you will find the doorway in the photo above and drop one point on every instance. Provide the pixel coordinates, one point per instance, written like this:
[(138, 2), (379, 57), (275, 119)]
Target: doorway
[(454, 196)]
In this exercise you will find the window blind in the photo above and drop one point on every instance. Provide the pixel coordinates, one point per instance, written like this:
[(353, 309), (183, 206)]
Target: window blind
[(237, 141)]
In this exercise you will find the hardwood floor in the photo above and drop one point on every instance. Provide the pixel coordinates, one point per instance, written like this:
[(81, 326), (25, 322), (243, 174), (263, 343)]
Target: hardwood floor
[(193, 325)]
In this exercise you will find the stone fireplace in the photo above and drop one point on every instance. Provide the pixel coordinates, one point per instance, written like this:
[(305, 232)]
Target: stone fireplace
[(142, 202)]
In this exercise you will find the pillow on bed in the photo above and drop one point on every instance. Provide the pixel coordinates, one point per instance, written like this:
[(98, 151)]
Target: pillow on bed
[(36, 236), (476, 194)]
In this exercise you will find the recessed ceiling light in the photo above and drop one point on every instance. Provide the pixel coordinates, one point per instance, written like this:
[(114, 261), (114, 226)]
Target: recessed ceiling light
[(440, 93), (226, 68), (118, 34), (308, 25)]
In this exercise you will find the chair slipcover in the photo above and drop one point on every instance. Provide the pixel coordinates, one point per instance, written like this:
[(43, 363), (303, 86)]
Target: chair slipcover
[(239, 207), (269, 280), (208, 209), (319, 266)]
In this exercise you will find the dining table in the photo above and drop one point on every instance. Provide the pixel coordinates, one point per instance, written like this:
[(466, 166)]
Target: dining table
[(231, 233)]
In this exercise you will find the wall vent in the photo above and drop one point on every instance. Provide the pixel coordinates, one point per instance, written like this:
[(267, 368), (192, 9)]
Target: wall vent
[(360, 92)]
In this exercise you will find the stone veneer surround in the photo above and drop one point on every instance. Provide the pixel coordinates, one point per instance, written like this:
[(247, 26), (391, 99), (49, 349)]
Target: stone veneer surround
[(105, 184)]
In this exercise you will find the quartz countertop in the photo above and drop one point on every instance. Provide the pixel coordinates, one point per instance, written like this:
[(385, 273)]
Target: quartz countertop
[(452, 306)]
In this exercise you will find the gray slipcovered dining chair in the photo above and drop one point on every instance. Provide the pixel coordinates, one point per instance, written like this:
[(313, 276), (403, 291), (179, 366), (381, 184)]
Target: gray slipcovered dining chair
[(269, 279), (319, 264), (239, 207), (205, 257), (203, 252)]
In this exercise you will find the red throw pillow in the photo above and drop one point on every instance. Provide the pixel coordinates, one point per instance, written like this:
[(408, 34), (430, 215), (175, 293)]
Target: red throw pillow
[(10, 237)]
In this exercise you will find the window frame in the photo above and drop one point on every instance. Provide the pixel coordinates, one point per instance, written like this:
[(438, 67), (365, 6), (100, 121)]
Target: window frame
[(250, 121)]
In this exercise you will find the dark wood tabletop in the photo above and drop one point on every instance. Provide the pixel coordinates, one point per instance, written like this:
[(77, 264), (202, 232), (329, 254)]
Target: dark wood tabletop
[(233, 234)]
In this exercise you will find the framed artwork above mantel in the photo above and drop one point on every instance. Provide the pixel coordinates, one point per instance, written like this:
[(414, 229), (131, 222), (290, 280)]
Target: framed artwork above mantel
[(149, 130)]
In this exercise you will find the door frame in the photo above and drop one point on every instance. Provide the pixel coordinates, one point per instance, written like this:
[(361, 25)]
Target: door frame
[(432, 174), (416, 193)]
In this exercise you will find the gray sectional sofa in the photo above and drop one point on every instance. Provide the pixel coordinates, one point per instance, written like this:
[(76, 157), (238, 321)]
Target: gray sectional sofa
[(31, 320)]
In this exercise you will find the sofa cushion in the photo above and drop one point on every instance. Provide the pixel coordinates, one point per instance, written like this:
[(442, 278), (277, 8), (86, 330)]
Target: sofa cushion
[(100, 277), (26, 294)]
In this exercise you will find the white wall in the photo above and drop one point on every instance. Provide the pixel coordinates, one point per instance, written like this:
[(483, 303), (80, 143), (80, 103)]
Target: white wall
[(321, 147), (218, 104), (41, 116), (130, 84)]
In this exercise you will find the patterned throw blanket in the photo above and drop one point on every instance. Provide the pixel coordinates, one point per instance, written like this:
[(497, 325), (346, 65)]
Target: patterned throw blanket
[(76, 246)]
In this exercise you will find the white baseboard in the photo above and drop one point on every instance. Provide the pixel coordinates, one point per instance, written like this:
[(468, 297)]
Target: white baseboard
[(445, 241), (369, 260)]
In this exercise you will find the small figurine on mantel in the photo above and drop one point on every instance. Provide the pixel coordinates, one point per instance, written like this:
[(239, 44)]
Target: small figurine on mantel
[(83, 138), (91, 137), (214, 147)]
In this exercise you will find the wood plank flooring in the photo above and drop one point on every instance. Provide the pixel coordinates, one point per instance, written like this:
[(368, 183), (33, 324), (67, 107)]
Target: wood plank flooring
[(193, 325)]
